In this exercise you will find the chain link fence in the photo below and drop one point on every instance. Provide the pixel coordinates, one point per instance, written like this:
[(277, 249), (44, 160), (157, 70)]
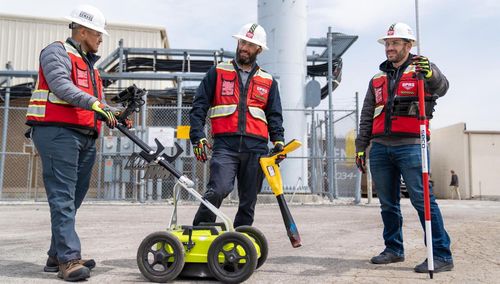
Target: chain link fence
[(113, 180)]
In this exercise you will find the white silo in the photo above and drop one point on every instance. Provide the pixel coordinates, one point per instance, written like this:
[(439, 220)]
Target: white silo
[(286, 25)]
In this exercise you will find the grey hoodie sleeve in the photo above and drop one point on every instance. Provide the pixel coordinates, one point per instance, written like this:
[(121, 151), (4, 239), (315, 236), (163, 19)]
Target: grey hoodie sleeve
[(56, 66), (437, 84)]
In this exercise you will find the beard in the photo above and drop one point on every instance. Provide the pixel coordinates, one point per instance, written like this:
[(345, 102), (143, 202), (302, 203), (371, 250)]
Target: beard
[(245, 58), (398, 57)]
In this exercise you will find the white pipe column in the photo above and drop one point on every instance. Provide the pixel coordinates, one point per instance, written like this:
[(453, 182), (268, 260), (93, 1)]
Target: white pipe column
[(286, 25)]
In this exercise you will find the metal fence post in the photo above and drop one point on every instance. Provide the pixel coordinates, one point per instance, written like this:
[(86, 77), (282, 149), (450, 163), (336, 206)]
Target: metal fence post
[(4, 129), (331, 150), (357, 195)]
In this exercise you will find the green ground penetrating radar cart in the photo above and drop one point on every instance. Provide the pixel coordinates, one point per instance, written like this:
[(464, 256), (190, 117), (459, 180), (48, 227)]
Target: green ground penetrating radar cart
[(209, 250)]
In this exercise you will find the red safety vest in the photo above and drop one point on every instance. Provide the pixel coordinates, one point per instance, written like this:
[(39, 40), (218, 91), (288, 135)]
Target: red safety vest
[(45, 108), (406, 126), (235, 113)]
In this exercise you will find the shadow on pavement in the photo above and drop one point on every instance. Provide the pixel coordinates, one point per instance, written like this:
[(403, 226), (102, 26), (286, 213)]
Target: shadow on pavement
[(328, 265)]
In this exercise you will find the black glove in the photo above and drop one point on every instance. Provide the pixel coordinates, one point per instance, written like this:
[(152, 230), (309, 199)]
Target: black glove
[(200, 149), (422, 65), (278, 147), (361, 161)]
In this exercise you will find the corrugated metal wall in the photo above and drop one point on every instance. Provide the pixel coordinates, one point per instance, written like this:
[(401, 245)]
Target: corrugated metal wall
[(22, 38)]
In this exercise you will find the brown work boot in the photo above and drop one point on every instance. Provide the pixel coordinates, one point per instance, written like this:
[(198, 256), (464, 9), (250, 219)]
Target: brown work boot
[(52, 264), (73, 271)]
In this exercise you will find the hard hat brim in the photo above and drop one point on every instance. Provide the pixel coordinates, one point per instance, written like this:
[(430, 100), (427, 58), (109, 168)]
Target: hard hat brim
[(382, 40), (264, 47), (87, 25)]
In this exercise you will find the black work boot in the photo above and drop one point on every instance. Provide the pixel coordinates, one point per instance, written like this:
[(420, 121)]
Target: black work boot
[(52, 264), (386, 257), (73, 271), (439, 266)]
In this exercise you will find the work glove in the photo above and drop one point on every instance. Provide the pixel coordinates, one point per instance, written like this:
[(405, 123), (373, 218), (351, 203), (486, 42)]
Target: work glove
[(105, 112), (200, 149), (361, 161), (422, 65), (278, 147)]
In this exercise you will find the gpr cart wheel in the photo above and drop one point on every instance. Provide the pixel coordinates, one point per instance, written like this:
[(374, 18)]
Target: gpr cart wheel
[(160, 257), (259, 238), (232, 257)]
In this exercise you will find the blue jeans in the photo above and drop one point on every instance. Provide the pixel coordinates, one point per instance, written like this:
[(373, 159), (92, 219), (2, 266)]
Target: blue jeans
[(67, 159), (387, 164)]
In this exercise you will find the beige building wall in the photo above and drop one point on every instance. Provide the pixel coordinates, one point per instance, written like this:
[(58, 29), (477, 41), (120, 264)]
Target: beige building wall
[(473, 155), (485, 163), (449, 152), (23, 37)]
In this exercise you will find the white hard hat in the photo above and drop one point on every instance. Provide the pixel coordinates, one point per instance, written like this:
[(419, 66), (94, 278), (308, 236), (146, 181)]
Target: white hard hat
[(399, 30), (253, 33), (89, 17)]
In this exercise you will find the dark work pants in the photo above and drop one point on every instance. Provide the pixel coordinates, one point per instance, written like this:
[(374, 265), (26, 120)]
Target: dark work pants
[(67, 159), (225, 166)]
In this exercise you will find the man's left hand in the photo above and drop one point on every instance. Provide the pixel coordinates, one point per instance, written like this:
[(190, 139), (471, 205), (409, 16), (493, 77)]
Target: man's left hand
[(422, 65), (278, 147)]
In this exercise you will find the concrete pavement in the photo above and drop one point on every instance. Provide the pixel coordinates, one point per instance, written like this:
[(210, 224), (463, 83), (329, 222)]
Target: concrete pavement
[(337, 242)]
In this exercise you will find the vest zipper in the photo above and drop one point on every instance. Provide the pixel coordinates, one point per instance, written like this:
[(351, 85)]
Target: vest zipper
[(243, 102)]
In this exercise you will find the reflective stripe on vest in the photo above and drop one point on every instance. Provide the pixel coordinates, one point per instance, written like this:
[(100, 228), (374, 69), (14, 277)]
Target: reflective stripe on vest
[(258, 113), (36, 110), (222, 110)]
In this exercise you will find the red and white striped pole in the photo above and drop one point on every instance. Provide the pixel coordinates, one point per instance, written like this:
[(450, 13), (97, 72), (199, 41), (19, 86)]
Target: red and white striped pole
[(425, 173)]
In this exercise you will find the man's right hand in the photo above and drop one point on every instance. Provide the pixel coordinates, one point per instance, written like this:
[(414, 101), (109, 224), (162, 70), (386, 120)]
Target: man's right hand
[(200, 149), (361, 161), (105, 112)]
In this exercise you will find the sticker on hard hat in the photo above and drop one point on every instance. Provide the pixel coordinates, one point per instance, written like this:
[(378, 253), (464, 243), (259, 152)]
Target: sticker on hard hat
[(249, 35), (227, 88), (86, 16)]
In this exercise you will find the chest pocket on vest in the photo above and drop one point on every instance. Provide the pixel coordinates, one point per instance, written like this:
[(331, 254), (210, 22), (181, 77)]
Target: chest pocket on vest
[(260, 92), (228, 84), (378, 89), (82, 75)]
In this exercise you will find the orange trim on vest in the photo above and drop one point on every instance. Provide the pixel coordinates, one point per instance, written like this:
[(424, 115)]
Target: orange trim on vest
[(401, 125)]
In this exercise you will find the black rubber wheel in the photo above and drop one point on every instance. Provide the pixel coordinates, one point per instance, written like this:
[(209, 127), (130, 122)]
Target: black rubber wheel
[(225, 255), (160, 257), (259, 238)]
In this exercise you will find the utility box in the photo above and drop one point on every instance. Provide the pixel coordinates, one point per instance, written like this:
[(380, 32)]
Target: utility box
[(110, 145), (126, 146)]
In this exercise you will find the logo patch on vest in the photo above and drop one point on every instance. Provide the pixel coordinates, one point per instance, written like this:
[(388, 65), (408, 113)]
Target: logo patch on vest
[(227, 88), (408, 85), (82, 78)]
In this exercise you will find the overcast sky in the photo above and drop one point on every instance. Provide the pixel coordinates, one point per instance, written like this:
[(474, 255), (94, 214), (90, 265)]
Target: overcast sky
[(461, 37)]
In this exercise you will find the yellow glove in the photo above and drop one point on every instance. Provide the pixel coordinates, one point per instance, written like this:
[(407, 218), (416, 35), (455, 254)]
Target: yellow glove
[(105, 113), (422, 65), (361, 161)]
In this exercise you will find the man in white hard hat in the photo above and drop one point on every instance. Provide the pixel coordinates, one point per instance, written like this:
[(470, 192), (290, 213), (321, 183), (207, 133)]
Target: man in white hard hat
[(64, 114), (389, 122), (244, 106)]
